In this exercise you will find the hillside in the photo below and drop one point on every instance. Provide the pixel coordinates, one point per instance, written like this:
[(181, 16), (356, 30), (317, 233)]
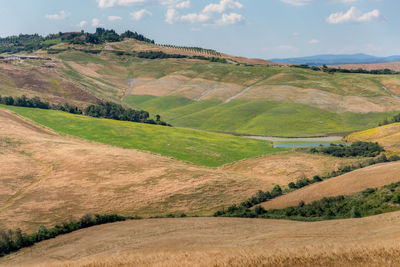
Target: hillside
[(350, 183), (371, 241), (387, 135), (185, 86), (199, 147), (48, 177), (395, 66)]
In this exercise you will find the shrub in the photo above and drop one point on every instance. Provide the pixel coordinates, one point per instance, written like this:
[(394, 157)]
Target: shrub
[(354, 213)]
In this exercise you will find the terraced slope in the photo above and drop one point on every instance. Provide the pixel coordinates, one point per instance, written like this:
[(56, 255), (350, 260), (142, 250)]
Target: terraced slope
[(371, 241), (350, 183)]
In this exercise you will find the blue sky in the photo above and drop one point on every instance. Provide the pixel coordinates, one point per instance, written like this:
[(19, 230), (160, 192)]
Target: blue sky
[(252, 28)]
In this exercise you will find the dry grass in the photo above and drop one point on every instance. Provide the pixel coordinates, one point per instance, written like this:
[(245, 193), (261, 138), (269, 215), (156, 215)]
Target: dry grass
[(36, 79), (46, 178), (287, 167), (347, 184), (387, 135), (395, 66), (371, 241)]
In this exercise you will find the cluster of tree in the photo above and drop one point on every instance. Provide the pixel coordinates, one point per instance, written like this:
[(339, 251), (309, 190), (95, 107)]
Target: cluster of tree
[(368, 202), (212, 59), (357, 149), (395, 119), (11, 241), (158, 54), (32, 42), (330, 70), (102, 35), (137, 36), (110, 110), (23, 101), (162, 55), (262, 196), (27, 42)]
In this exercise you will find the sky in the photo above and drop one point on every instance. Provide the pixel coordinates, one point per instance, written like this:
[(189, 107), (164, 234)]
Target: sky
[(251, 28)]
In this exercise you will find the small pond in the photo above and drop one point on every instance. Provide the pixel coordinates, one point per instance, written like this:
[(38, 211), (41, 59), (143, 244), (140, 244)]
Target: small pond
[(299, 141), (300, 144)]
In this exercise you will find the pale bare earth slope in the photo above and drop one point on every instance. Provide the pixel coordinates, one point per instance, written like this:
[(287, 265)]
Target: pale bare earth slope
[(371, 241)]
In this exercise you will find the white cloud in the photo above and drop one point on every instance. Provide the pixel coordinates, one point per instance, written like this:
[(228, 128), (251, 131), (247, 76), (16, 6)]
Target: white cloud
[(112, 3), (184, 4), (138, 15), (313, 41), (353, 15), (60, 16), (82, 23), (95, 22), (171, 16), (195, 18), (222, 6), (114, 18), (230, 19), (307, 2), (297, 2)]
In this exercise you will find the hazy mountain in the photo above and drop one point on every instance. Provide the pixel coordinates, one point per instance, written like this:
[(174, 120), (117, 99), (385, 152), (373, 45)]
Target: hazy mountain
[(330, 59)]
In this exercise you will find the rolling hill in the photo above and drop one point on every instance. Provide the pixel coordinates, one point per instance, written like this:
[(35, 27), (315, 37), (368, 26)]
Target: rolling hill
[(350, 183), (371, 241), (387, 135), (241, 96), (47, 177)]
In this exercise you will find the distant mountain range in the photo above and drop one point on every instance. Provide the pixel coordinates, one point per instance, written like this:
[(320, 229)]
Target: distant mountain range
[(330, 59)]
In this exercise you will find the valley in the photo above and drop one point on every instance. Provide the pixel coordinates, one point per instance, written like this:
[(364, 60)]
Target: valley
[(176, 140)]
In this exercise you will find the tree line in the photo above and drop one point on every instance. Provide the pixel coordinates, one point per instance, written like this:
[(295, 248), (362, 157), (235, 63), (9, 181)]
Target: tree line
[(331, 70), (370, 201), (162, 55), (108, 110), (264, 196), (395, 119), (11, 241)]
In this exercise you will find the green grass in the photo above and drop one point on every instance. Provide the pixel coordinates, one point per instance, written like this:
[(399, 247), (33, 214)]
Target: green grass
[(257, 117), (199, 147)]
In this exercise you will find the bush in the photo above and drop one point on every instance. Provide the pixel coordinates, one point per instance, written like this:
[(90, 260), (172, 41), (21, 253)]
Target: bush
[(354, 213), (357, 149)]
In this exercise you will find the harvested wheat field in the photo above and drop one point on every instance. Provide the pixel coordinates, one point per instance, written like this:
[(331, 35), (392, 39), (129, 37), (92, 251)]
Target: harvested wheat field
[(287, 166), (387, 135), (47, 177), (347, 184), (371, 241)]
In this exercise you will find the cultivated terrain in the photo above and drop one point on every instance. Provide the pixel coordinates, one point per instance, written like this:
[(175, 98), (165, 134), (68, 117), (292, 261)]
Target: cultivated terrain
[(58, 165)]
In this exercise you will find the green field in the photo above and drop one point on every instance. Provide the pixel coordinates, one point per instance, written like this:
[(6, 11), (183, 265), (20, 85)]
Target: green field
[(199, 147), (257, 117)]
